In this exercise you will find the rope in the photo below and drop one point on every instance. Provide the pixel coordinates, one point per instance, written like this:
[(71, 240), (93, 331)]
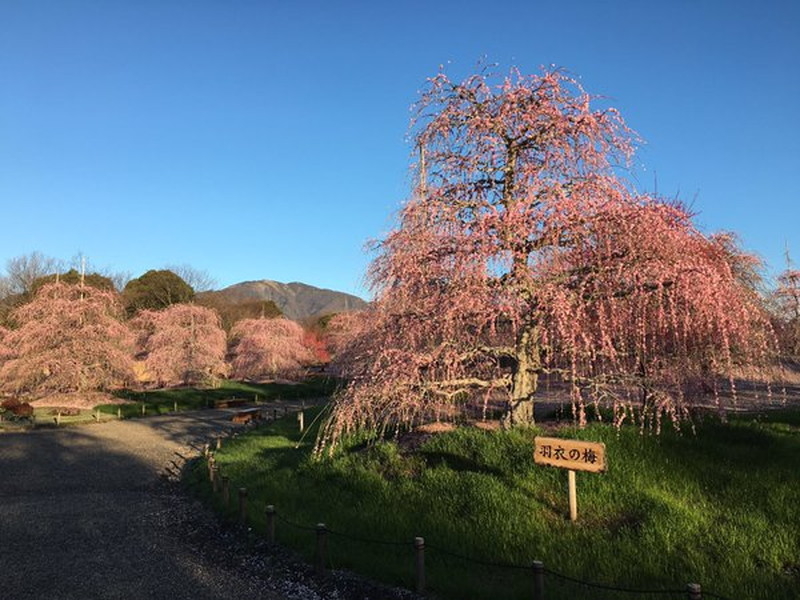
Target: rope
[(368, 540), (342, 534), (613, 588), (486, 563), (475, 560), (295, 525)]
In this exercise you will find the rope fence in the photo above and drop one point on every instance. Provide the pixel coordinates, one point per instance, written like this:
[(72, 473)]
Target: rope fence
[(421, 553), (540, 578)]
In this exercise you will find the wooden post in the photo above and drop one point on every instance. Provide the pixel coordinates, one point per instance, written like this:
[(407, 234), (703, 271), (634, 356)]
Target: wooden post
[(119, 413), (270, 514), (538, 580), (215, 478), (694, 592), (58, 418), (242, 506), (419, 552), (206, 449), (226, 496), (219, 443), (144, 408), (300, 420), (320, 556), (175, 406), (573, 496), (285, 410), (274, 414)]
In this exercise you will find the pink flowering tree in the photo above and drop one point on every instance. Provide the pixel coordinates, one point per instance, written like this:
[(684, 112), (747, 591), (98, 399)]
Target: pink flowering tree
[(345, 335), (522, 254), (182, 344), (5, 351), (787, 308), (69, 338), (267, 348)]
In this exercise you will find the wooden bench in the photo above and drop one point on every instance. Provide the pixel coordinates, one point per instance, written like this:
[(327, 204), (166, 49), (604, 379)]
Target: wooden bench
[(247, 416)]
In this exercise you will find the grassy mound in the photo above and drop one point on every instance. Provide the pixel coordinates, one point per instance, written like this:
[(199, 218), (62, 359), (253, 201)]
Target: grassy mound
[(720, 508)]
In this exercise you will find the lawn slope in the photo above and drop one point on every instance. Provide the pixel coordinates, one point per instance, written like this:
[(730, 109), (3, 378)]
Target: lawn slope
[(720, 507)]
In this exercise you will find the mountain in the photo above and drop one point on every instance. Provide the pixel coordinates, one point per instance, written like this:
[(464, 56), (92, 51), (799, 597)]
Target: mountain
[(296, 300)]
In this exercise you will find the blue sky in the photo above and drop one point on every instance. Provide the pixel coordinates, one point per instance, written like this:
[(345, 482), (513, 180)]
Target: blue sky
[(258, 139)]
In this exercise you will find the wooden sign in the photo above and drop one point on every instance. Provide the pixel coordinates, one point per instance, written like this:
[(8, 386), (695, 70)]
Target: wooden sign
[(570, 454)]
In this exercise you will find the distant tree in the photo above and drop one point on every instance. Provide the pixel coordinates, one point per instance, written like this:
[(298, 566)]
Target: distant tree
[(156, 290), (5, 288), (181, 344), (9, 300), (522, 254), (23, 270), (119, 278), (316, 344), (73, 277), (316, 336), (198, 279), (231, 311), (67, 339), (265, 348), (321, 323)]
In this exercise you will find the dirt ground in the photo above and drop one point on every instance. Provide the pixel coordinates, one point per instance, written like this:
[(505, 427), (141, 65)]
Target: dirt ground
[(87, 512)]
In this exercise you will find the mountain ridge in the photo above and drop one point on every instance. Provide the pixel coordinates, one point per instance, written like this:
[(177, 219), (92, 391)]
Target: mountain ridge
[(296, 300)]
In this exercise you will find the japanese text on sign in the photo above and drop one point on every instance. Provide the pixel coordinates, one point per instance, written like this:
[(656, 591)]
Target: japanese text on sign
[(570, 454)]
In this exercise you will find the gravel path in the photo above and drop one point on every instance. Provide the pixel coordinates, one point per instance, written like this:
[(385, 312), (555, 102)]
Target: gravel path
[(87, 512)]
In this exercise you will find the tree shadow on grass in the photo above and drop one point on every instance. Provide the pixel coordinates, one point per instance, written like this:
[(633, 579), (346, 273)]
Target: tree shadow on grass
[(454, 462)]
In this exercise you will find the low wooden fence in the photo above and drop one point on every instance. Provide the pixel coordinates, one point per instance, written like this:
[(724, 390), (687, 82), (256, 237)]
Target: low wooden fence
[(540, 577)]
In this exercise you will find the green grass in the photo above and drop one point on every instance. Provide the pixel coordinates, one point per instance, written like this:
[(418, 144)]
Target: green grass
[(43, 417), (165, 400), (720, 508)]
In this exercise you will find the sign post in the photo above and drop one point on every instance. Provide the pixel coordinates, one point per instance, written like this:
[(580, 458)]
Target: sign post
[(573, 455), (573, 496)]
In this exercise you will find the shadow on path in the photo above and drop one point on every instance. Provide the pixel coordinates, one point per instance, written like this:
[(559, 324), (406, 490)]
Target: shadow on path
[(85, 513)]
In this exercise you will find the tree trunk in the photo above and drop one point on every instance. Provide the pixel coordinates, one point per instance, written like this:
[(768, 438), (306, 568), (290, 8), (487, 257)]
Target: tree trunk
[(525, 381)]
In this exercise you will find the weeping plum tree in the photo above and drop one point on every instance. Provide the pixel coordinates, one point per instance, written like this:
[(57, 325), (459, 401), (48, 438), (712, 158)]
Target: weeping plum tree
[(5, 351), (521, 253), (69, 338), (269, 348), (345, 334), (181, 344)]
